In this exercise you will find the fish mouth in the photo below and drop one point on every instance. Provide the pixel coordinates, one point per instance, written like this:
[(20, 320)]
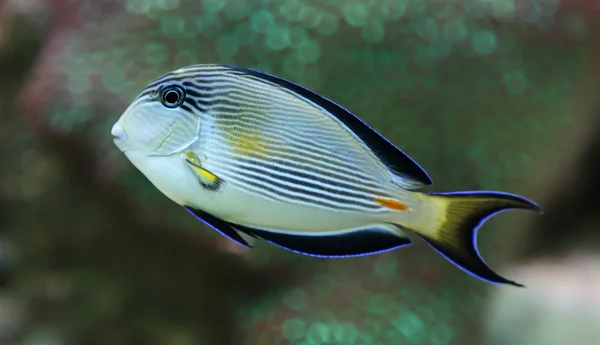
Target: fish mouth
[(123, 150), (119, 136), (118, 132), (120, 145)]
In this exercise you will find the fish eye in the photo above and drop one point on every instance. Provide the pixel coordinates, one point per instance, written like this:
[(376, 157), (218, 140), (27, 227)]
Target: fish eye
[(172, 96)]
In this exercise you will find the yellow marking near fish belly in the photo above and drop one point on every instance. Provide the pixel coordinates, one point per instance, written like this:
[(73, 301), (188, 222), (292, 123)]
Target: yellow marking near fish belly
[(393, 204), (195, 164), (210, 177), (250, 144), (192, 157)]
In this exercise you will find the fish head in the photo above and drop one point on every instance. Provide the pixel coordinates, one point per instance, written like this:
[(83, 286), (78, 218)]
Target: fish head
[(159, 122), (162, 122)]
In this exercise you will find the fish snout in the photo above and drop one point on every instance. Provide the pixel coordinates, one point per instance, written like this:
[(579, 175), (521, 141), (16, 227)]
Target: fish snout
[(118, 132)]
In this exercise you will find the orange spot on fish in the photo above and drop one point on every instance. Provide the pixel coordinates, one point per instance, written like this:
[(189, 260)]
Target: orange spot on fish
[(393, 204)]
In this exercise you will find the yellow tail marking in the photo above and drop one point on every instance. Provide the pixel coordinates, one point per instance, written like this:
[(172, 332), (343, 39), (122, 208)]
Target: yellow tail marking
[(393, 204)]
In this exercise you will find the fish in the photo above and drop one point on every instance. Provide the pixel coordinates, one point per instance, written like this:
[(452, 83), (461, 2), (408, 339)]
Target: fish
[(253, 155)]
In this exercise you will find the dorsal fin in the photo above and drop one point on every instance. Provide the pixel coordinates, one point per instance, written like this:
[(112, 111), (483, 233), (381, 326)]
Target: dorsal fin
[(398, 162)]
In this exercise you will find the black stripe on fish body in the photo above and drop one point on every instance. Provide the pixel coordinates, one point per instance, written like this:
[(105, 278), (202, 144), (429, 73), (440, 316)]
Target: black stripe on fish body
[(185, 76), (297, 178), (224, 228), (196, 86), (294, 193), (394, 158), (186, 108), (360, 242), (198, 97), (192, 102)]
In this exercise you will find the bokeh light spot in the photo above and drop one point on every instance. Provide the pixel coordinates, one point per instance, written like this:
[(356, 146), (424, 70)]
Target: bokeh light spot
[(318, 333), (156, 53), (209, 25), (373, 32), (278, 38), (515, 81), (441, 334), (298, 36), (213, 6), (293, 329), (484, 42), (296, 299), (576, 27), (345, 333), (184, 58), (310, 17), (394, 9), (308, 51), (262, 21), (455, 29), (328, 25), (410, 325), (503, 9), (355, 14), (385, 266), (428, 28), (291, 10), (171, 25), (237, 9), (245, 36), (166, 5), (227, 45)]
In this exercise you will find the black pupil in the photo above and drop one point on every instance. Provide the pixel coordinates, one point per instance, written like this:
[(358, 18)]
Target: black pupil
[(172, 97)]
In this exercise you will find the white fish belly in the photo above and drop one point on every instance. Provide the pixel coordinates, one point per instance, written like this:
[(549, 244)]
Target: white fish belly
[(240, 207), (172, 177)]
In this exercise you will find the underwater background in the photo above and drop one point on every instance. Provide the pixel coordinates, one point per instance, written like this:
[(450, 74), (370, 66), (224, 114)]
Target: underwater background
[(484, 94)]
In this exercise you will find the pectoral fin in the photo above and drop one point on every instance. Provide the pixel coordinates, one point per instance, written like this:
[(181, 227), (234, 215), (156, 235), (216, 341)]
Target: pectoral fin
[(224, 228), (206, 178)]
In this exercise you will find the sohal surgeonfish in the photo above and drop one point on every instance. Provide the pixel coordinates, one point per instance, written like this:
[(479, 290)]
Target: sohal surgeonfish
[(248, 152)]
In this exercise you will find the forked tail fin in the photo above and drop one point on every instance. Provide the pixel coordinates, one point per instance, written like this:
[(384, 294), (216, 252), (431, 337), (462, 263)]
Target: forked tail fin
[(453, 232)]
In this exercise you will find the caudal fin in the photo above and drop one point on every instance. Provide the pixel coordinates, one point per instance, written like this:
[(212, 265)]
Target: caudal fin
[(454, 231)]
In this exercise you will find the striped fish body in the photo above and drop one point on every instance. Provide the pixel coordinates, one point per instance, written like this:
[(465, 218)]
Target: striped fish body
[(288, 163), (248, 152)]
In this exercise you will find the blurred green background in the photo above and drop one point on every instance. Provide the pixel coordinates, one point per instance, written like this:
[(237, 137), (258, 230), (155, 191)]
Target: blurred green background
[(484, 94)]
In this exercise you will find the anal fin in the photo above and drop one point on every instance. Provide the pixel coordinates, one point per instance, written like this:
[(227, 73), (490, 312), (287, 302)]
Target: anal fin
[(353, 242), (224, 228)]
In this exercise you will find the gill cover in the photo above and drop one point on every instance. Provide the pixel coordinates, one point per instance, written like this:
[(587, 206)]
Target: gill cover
[(158, 122)]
